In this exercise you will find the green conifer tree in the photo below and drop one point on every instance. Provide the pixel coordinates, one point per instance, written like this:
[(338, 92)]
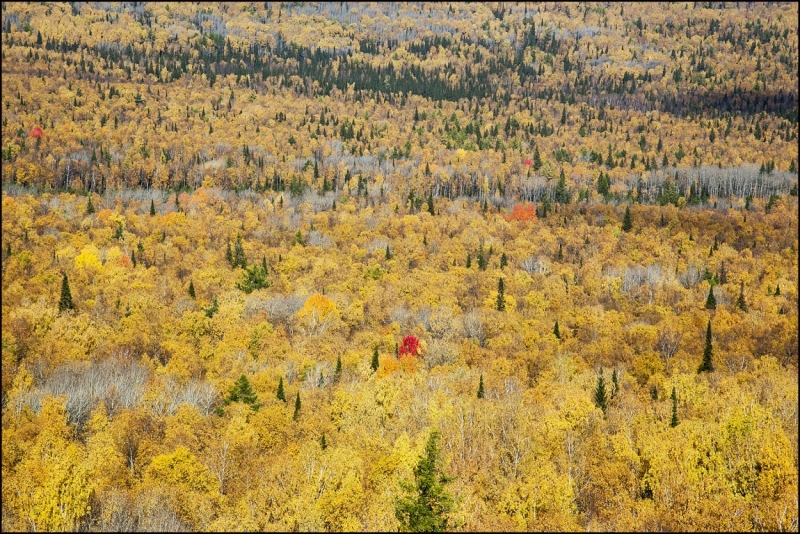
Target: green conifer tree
[(427, 503), (388, 255), (281, 394), (600, 397), (555, 331), (338, 372), (152, 208), (674, 421), (374, 363), (503, 260), (740, 303), (627, 222), (707, 366), (469, 260), (229, 254), (430, 204), (614, 384), (322, 443), (777, 290), (89, 206), (711, 301), (192, 294), (501, 298), (65, 303), (296, 407), (239, 257), (480, 387), (243, 392)]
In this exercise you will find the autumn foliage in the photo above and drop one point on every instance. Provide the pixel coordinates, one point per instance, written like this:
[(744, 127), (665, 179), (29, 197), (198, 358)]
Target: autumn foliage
[(409, 346), (522, 212)]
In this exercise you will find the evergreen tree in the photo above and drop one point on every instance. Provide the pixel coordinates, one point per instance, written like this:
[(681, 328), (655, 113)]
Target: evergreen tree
[(281, 394), (711, 301), (469, 260), (600, 398), (117, 232), (555, 331), (322, 443), (338, 372), (627, 222), (388, 255), (503, 260), (777, 290), (253, 278), (89, 206), (537, 159), (740, 303), (614, 384), (501, 299), (296, 407), (191, 290), (707, 366), (427, 504), (242, 391), (214, 308), (674, 421), (430, 204), (152, 208), (561, 192), (229, 254), (374, 363), (239, 257), (480, 387), (560, 252), (133, 258), (65, 303)]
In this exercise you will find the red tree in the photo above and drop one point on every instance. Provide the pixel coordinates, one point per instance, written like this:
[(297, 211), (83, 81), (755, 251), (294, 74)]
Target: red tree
[(410, 346), (522, 212), (36, 132), (528, 162)]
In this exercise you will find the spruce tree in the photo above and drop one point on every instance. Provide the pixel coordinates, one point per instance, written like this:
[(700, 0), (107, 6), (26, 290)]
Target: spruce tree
[(614, 384), (229, 254), (707, 366), (503, 260), (322, 443), (480, 387), (281, 394), (239, 257), (501, 299), (296, 407), (740, 303), (191, 290), (777, 290), (152, 208), (674, 421), (711, 301), (430, 204), (555, 331), (600, 398), (374, 363), (427, 503), (65, 303), (133, 258), (469, 260), (627, 222), (89, 206), (338, 372), (242, 391), (388, 255)]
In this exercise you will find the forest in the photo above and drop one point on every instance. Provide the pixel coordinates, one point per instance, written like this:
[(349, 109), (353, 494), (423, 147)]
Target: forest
[(399, 266)]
